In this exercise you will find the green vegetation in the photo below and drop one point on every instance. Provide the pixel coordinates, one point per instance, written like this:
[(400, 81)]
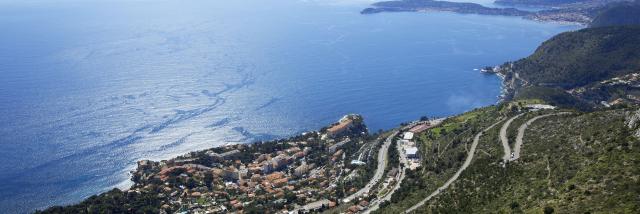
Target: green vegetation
[(443, 151), (452, 125), (585, 162), (114, 201), (574, 164), (554, 96), (573, 60), (393, 156), (578, 58), (625, 13)]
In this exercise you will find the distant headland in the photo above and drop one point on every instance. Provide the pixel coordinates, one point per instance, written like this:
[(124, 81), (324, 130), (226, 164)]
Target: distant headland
[(579, 12)]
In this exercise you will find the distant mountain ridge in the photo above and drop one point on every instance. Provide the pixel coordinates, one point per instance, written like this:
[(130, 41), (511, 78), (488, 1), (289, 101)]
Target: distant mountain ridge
[(553, 2), (458, 7), (565, 11), (626, 13)]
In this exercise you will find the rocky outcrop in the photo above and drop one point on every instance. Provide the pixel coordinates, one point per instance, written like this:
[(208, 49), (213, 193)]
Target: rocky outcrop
[(632, 121), (511, 81)]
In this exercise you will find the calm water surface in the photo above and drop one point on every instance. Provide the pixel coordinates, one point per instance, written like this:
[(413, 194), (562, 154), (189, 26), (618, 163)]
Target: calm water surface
[(89, 87)]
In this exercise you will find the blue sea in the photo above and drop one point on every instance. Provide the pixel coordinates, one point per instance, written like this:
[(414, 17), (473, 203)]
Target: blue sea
[(88, 87)]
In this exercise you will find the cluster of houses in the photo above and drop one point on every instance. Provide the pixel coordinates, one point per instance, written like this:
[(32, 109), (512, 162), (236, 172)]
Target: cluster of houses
[(231, 178), (234, 184), (408, 146)]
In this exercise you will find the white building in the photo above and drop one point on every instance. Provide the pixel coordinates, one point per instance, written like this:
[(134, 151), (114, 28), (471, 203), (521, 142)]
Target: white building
[(357, 162), (540, 106), (411, 152), (408, 135)]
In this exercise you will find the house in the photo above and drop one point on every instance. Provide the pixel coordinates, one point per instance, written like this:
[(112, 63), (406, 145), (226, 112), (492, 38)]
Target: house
[(354, 209), (406, 143), (332, 204), (280, 182), (230, 154), (338, 153), (230, 174), (215, 156), (256, 178), (540, 106), (344, 124), (263, 157), (299, 155), (420, 128), (407, 135), (335, 147), (411, 152), (275, 176), (301, 170), (358, 163), (393, 172), (267, 167), (293, 150), (243, 172)]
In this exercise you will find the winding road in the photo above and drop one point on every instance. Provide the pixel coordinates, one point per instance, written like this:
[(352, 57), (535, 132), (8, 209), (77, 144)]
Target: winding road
[(505, 140), (375, 205), (523, 128), (382, 163), (464, 166)]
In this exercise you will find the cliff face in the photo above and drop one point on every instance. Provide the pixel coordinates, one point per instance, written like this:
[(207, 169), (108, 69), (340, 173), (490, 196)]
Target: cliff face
[(632, 121)]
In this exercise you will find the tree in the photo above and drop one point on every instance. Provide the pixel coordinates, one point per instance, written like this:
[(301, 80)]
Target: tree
[(514, 205), (548, 210)]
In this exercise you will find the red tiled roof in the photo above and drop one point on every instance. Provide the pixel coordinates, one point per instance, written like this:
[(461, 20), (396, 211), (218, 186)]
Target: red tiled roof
[(420, 128), (341, 126)]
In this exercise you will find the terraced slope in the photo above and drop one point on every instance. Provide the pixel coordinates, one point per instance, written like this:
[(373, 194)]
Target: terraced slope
[(578, 163)]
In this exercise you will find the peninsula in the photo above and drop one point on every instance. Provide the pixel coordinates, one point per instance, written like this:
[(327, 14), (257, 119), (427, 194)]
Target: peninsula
[(429, 5), (581, 11)]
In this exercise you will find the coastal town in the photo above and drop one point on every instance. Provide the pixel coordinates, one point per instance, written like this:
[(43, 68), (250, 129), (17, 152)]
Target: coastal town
[(578, 12), (340, 167)]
